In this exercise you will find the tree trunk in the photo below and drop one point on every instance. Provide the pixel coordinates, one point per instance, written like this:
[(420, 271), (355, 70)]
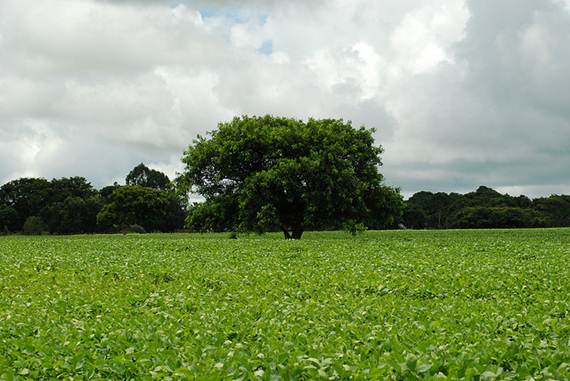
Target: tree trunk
[(297, 232)]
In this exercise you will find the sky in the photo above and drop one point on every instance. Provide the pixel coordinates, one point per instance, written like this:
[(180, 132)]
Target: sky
[(461, 93)]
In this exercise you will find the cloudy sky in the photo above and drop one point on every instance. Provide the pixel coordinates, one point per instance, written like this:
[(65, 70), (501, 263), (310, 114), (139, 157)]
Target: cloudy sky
[(461, 93)]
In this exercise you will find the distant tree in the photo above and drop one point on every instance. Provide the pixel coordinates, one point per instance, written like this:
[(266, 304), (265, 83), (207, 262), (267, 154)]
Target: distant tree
[(283, 174), (415, 217), (74, 215), (106, 192), (555, 208), (153, 209), (8, 219), (145, 177), (442, 210), (499, 217), (487, 197), (431, 210), (522, 202), (27, 196), (63, 188), (34, 226)]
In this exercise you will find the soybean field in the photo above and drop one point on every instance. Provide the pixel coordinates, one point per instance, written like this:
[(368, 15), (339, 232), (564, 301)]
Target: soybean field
[(395, 305)]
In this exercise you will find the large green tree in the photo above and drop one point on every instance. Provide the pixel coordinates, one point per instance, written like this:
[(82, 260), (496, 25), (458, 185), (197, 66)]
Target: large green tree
[(272, 173)]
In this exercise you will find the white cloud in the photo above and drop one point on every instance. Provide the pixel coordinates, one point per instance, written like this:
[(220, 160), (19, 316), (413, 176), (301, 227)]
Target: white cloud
[(495, 115), (423, 38), (358, 67), (462, 92)]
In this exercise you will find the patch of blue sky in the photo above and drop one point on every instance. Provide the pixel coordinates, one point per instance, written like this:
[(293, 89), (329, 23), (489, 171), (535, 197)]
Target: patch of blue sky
[(232, 14), (266, 47)]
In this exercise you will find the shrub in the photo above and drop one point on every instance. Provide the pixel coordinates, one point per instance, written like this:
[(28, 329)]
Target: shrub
[(133, 229), (34, 226), (354, 228)]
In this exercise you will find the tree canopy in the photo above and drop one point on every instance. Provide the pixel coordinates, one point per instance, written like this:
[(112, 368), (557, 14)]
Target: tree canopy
[(145, 177), (269, 173), (27, 196), (74, 215), (153, 209), (72, 206), (484, 208), (556, 209)]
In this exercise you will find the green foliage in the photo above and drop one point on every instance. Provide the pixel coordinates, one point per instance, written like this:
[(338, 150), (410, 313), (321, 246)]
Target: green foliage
[(66, 187), (484, 208), (498, 217), (27, 196), (398, 305), (385, 207), (433, 210), (8, 218), (354, 228), (73, 216), (555, 208), (68, 205), (107, 191), (153, 209), (415, 217), (145, 177), (284, 174), (215, 215), (34, 226)]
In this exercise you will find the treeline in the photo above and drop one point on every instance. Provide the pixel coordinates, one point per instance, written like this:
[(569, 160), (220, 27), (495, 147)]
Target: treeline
[(484, 208), (72, 205), (149, 203)]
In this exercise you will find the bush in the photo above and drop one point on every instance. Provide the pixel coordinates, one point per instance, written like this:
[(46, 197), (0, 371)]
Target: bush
[(34, 226), (354, 228), (133, 229)]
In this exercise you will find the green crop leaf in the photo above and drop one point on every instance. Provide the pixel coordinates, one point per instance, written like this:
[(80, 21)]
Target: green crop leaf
[(458, 305)]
